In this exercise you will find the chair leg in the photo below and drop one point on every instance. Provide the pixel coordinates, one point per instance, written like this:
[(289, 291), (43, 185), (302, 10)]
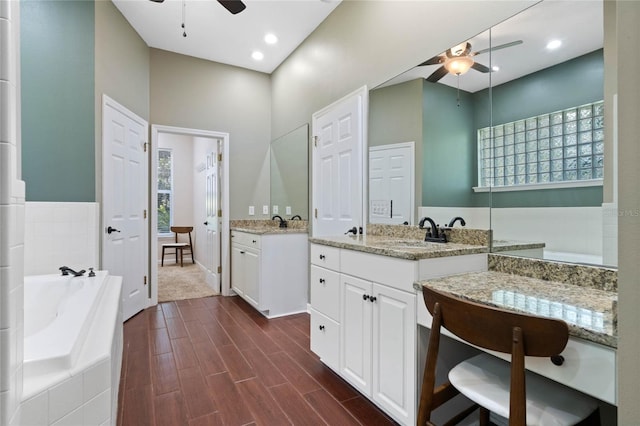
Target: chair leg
[(162, 261), (484, 417)]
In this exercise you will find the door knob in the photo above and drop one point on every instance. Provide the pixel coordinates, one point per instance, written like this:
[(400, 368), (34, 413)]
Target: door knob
[(206, 223), (110, 230)]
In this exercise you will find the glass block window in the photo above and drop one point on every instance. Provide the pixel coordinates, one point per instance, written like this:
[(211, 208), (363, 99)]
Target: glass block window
[(165, 191), (561, 146)]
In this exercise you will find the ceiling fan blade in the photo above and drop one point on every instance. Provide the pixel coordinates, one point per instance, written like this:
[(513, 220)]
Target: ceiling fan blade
[(479, 67), (437, 74), (500, 46), (233, 6), (433, 61), (157, 1)]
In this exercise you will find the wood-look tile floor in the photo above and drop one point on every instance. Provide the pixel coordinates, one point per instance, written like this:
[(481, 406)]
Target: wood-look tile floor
[(216, 361)]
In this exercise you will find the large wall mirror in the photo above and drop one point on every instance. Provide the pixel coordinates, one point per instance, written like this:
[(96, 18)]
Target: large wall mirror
[(517, 143), (289, 171)]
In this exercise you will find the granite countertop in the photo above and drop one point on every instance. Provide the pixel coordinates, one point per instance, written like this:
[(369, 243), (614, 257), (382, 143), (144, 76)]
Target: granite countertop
[(410, 249), (263, 227), (589, 312), (269, 230), (507, 245)]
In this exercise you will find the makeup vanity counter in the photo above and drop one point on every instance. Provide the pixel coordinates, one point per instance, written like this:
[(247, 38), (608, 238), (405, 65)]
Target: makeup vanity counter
[(583, 296)]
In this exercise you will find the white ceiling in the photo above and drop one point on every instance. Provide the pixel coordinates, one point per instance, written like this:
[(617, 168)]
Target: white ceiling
[(577, 23), (215, 34)]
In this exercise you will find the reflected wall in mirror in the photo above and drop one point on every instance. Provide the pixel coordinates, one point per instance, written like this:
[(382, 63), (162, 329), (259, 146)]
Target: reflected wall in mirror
[(440, 117), (289, 172), (542, 154), (575, 221)]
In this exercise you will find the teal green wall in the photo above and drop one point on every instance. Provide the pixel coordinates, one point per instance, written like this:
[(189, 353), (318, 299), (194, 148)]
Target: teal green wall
[(57, 84), (449, 149), (575, 82)]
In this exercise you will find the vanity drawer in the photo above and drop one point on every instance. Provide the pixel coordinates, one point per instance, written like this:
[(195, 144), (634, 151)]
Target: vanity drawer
[(246, 239), (325, 256), (325, 291), (325, 339)]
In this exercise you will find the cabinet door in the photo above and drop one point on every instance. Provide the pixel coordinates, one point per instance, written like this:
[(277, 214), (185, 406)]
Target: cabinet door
[(237, 270), (394, 352), (252, 277), (355, 332)]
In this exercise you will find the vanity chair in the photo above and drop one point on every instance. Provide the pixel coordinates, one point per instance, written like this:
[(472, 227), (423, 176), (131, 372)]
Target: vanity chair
[(178, 246), (492, 384)]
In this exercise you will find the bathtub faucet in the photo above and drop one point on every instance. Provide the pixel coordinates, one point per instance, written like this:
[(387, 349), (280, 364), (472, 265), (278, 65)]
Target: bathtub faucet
[(66, 270)]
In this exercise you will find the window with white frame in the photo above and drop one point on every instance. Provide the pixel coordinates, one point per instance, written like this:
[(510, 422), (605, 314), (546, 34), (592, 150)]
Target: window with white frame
[(563, 146), (165, 188)]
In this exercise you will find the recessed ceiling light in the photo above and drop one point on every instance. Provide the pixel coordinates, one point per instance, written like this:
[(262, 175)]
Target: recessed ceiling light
[(495, 68), (554, 44), (270, 38), (258, 56)]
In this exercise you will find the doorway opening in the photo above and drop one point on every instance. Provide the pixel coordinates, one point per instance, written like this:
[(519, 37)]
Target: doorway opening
[(196, 193)]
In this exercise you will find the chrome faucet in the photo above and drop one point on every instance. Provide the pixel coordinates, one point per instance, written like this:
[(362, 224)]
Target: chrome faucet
[(453, 221), (66, 270), (283, 223)]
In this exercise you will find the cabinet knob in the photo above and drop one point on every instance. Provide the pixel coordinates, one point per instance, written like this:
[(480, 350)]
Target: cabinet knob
[(241, 252), (321, 327), (254, 241), (321, 280), (373, 299), (557, 360), (365, 297), (322, 257)]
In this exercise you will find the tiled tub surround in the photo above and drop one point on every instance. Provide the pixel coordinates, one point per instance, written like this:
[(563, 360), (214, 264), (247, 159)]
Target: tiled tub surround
[(269, 226), (86, 392), (583, 296)]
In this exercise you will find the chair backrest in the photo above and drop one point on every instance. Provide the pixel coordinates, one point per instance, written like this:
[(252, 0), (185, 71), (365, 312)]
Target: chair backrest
[(489, 328), (182, 230), (492, 328)]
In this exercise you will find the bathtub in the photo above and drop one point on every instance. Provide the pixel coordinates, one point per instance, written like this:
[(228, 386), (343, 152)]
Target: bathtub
[(72, 353), (58, 311)]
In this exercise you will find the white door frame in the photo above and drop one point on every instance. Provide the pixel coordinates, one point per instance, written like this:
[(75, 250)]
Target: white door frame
[(156, 129)]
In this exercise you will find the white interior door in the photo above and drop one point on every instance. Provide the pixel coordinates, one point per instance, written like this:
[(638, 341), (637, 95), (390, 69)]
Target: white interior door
[(213, 222), (339, 135), (391, 184), (124, 203)]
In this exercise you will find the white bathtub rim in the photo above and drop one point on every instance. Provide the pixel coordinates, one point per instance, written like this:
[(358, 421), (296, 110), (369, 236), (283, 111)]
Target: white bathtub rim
[(49, 355), (97, 346)]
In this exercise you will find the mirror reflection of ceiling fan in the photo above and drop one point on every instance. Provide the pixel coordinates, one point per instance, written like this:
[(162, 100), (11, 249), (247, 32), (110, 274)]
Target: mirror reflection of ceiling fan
[(233, 6), (459, 59)]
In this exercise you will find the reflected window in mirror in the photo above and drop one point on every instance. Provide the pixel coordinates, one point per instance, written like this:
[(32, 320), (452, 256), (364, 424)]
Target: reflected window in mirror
[(563, 147)]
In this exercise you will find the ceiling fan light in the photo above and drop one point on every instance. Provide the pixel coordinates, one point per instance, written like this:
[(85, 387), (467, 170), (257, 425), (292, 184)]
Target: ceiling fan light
[(458, 64)]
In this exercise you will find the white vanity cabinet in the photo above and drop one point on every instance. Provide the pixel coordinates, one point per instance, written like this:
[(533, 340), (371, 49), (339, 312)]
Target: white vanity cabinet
[(270, 271), (363, 320)]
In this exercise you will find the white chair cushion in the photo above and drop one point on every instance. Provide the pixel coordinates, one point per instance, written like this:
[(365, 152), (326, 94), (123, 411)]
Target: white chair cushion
[(485, 379)]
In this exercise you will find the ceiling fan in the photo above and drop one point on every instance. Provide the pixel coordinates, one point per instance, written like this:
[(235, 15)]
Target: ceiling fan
[(459, 59), (233, 6)]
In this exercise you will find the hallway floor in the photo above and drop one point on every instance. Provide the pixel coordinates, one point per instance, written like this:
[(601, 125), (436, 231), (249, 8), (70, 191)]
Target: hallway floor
[(216, 361)]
